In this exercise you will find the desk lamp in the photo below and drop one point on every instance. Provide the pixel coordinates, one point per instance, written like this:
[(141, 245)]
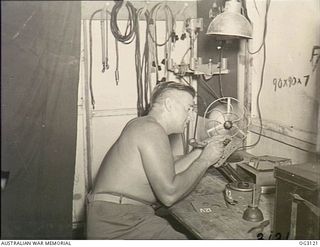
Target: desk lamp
[(230, 23)]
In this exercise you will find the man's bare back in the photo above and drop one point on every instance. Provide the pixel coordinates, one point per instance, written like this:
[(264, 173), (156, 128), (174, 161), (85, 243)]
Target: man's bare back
[(140, 166), (122, 170)]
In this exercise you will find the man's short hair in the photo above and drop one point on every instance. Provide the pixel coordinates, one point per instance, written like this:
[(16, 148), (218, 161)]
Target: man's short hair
[(161, 88)]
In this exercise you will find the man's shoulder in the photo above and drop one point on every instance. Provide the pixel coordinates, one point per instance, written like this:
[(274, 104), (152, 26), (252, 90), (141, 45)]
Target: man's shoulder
[(144, 125), (144, 132)]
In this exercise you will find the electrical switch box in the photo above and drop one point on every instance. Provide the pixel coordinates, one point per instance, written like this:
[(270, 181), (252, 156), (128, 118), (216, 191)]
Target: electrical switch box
[(297, 202)]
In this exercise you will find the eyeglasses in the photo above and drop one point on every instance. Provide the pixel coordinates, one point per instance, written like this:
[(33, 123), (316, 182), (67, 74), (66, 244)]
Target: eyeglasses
[(189, 108), (192, 108)]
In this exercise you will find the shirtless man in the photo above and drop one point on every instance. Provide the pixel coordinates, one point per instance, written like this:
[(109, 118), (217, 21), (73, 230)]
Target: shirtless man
[(140, 170)]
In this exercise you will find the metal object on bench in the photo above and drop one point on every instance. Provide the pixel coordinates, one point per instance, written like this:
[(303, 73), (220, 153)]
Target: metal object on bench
[(253, 213), (229, 173), (260, 171), (238, 194)]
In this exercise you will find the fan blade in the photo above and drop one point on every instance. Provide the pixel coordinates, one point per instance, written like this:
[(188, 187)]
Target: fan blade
[(236, 120), (238, 130), (215, 128), (235, 130), (241, 123), (209, 121), (216, 115), (215, 110), (212, 125), (233, 117)]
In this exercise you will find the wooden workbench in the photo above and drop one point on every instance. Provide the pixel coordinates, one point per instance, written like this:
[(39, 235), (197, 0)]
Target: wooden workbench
[(205, 213)]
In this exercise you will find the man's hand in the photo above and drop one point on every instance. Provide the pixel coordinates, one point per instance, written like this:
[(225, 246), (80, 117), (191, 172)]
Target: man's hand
[(213, 149)]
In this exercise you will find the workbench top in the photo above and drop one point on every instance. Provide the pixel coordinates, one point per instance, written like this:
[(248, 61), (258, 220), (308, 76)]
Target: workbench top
[(205, 213)]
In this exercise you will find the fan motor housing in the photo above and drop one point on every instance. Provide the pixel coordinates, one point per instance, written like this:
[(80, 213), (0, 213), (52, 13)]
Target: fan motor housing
[(227, 124)]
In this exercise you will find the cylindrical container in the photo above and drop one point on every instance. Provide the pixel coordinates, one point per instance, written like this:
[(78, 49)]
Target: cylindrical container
[(239, 194)]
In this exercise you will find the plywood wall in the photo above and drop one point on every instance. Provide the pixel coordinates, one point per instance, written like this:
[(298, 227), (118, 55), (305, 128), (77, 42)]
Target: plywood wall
[(289, 99), (115, 104)]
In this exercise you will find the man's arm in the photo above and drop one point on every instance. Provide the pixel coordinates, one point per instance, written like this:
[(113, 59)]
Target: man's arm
[(183, 162), (158, 163)]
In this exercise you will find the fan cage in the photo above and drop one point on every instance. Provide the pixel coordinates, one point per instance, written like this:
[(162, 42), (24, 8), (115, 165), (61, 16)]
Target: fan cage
[(233, 119)]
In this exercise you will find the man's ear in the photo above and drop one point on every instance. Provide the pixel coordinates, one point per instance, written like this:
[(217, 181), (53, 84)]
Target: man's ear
[(168, 104)]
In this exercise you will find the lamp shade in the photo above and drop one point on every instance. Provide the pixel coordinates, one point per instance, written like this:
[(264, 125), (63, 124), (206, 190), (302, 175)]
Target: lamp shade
[(230, 24)]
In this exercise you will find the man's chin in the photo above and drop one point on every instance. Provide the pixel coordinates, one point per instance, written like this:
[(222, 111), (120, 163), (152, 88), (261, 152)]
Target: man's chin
[(180, 131)]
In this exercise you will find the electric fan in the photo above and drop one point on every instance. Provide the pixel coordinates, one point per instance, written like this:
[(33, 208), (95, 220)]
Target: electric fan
[(225, 117)]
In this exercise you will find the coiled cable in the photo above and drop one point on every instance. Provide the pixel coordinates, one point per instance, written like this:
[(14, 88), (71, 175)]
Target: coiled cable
[(130, 31), (170, 32)]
